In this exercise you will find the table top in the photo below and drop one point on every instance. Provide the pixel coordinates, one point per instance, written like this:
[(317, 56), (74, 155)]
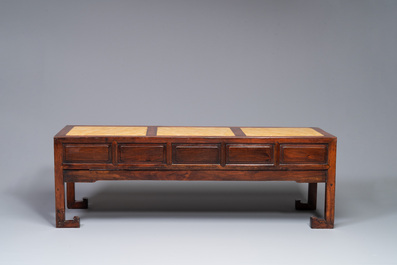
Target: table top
[(180, 131)]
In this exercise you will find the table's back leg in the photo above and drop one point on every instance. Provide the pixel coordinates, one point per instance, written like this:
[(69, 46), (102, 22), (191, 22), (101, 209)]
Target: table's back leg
[(71, 201), (311, 199), (60, 192)]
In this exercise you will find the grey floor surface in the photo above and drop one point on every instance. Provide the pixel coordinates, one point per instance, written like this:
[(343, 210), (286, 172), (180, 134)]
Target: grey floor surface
[(199, 223)]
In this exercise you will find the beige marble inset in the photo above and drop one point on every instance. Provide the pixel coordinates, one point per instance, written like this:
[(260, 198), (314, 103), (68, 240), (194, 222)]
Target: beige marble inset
[(107, 131), (280, 132), (194, 131)]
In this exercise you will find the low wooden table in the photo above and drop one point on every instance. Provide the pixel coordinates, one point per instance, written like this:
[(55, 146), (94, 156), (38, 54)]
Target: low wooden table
[(92, 153)]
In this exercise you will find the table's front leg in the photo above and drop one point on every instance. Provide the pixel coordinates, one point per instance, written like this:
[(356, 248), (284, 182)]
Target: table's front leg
[(329, 207), (60, 192)]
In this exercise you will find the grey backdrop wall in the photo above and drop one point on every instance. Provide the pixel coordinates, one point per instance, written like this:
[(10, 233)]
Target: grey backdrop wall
[(330, 64)]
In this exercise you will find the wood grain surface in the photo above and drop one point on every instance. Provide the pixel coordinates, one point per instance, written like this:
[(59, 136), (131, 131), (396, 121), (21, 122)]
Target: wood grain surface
[(107, 131), (194, 131), (280, 132)]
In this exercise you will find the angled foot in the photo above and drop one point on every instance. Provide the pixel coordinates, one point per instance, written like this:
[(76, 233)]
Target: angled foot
[(320, 223), (304, 206), (78, 204), (75, 223)]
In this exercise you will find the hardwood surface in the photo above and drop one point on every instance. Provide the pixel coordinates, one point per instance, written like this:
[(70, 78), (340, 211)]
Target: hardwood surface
[(92, 153)]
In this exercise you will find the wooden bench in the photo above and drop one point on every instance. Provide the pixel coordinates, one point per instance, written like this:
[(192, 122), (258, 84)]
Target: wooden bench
[(92, 153)]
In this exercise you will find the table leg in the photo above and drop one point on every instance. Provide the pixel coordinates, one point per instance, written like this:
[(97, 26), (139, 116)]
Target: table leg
[(329, 208), (328, 220), (71, 201), (311, 201), (60, 192)]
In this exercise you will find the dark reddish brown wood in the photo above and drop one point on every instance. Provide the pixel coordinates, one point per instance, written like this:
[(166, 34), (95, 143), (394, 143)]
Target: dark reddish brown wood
[(277, 154), (194, 175), (223, 154), (329, 207), (151, 131), (64, 131), (326, 134), (237, 131), (196, 154), (71, 201), (169, 154), (142, 154), (304, 159), (170, 166), (60, 190), (115, 156), (301, 154), (93, 153), (250, 154)]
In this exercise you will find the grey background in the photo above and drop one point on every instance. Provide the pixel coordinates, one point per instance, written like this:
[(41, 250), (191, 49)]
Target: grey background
[(330, 64)]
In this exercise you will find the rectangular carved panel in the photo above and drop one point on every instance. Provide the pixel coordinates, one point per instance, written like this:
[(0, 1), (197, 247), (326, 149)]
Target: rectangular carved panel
[(196, 154), (303, 154), (141, 153), (87, 153), (249, 154)]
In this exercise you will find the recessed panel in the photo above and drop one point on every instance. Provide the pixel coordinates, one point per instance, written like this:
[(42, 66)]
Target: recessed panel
[(141, 153), (249, 154), (107, 131), (303, 154), (194, 131), (196, 154), (281, 132), (87, 153)]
